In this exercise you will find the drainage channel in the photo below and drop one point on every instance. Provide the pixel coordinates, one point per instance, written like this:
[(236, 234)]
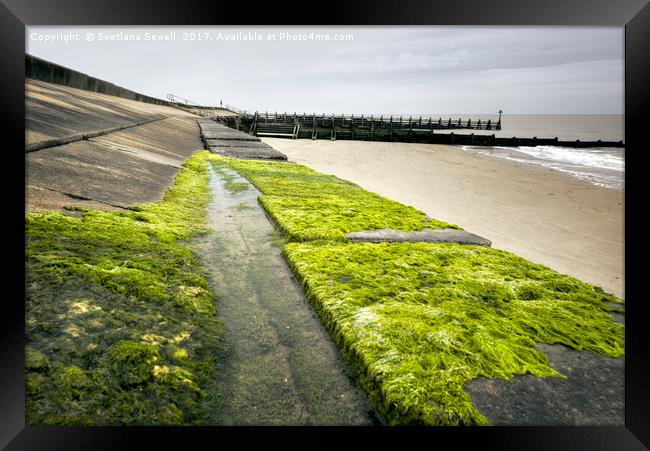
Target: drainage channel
[(281, 367)]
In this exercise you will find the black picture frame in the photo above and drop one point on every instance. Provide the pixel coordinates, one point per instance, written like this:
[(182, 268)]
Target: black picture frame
[(634, 15)]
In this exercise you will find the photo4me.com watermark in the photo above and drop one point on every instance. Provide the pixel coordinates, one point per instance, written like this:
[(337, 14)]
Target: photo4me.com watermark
[(216, 36)]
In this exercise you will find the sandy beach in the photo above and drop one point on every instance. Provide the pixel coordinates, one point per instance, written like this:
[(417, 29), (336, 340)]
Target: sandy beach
[(543, 215)]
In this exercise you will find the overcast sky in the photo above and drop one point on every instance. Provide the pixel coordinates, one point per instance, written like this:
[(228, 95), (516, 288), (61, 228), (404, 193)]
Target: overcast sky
[(415, 70)]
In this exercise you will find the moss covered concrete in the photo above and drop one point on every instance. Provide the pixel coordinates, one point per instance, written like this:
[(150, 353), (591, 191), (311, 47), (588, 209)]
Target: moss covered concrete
[(420, 320), (121, 325), (308, 205)]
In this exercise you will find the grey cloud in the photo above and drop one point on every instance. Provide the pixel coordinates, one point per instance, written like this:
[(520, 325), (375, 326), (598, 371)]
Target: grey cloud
[(409, 69)]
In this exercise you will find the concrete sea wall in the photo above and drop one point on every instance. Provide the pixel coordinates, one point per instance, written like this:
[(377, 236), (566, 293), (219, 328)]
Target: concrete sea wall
[(40, 69)]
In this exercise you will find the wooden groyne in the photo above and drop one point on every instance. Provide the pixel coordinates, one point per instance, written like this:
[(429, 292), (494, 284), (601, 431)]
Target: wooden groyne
[(379, 128), (389, 128)]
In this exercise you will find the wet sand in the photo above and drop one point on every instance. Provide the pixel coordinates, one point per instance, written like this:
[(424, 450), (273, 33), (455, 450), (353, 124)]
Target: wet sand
[(543, 215)]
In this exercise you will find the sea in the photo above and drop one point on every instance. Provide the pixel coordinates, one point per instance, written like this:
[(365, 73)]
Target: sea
[(602, 166)]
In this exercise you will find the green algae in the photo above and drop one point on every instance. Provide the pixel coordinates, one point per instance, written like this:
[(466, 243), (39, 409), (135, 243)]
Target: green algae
[(420, 320), (121, 325), (236, 187), (307, 205)]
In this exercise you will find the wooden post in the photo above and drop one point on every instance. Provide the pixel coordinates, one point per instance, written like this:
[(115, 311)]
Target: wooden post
[(372, 129), (400, 122), (489, 125), (449, 123), (420, 122)]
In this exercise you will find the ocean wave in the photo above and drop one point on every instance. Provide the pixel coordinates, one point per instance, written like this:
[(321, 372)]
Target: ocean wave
[(602, 167), (595, 158)]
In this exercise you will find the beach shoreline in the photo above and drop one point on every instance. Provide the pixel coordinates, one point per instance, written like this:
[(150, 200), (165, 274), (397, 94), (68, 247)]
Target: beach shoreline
[(543, 215)]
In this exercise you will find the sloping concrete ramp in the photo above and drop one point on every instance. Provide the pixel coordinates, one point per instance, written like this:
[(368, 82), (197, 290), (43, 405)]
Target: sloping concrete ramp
[(229, 142), (99, 151)]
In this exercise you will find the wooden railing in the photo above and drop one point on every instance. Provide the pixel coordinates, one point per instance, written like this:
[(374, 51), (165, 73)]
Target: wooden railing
[(380, 122), (390, 128)]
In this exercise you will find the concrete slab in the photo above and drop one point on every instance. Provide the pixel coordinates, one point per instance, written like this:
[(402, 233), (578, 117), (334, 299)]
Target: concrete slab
[(45, 199), (91, 171), (228, 142), (229, 135), (211, 129), (249, 153), (169, 141), (235, 143), (593, 394), (114, 170), (422, 236)]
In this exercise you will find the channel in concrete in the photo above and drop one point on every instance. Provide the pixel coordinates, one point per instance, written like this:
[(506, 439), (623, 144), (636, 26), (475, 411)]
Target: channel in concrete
[(281, 368)]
